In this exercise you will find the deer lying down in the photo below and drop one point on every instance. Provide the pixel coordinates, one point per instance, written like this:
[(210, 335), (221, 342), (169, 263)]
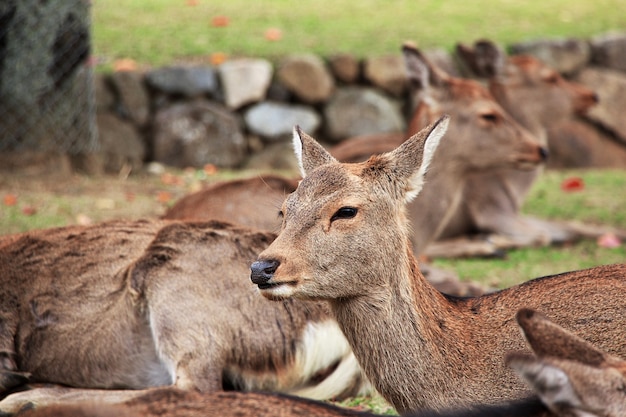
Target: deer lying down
[(137, 304), (571, 376), (345, 239), (482, 137)]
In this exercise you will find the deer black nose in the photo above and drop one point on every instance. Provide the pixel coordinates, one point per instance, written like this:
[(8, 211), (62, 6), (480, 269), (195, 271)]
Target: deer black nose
[(263, 271), (544, 153)]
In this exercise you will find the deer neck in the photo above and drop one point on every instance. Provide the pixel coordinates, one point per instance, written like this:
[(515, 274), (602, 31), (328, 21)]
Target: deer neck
[(391, 332)]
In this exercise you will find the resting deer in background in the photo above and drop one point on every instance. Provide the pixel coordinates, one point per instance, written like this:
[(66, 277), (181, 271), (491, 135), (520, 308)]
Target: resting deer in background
[(345, 239), (482, 136), (539, 98), (137, 304), (570, 375)]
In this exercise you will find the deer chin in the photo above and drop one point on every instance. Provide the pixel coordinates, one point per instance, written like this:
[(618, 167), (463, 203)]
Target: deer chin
[(526, 164), (277, 291)]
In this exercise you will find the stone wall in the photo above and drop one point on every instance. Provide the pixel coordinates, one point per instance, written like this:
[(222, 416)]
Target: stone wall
[(240, 114)]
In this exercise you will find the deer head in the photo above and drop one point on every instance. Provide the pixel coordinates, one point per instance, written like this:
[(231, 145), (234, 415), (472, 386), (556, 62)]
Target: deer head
[(344, 206), (570, 375)]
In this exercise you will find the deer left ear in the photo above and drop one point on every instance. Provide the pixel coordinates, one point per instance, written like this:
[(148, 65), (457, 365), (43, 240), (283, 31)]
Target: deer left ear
[(309, 152)]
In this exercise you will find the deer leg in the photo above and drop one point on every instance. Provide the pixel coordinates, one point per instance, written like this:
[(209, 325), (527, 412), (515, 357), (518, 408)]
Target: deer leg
[(10, 377)]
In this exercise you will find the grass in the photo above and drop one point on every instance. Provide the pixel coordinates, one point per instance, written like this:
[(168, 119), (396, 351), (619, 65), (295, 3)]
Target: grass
[(159, 32)]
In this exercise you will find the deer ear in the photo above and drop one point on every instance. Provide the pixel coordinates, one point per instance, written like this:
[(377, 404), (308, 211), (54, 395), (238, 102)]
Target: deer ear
[(490, 58), (421, 72), (411, 159), (547, 380), (549, 339), (309, 153)]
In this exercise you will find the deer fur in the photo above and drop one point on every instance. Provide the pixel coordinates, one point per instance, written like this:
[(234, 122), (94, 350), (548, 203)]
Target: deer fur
[(345, 239), (538, 97), (482, 137), (137, 304), (570, 375)]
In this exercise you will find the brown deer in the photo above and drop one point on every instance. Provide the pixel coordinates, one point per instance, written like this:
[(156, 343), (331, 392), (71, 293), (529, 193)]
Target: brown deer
[(345, 238), (538, 97), (137, 304), (570, 375), (483, 138)]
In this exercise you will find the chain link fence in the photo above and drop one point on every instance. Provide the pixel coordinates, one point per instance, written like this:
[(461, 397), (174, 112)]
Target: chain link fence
[(46, 87)]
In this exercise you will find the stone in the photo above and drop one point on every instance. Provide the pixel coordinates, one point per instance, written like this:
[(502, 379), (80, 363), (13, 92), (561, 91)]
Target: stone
[(275, 121), (244, 81), (387, 72), (121, 146), (275, 156), (610, 86), (355, 111), (188, 81), (565, 55), (105, 99), (609, 51), (198, 133), (307, 77), (134, 101), (345, 67)]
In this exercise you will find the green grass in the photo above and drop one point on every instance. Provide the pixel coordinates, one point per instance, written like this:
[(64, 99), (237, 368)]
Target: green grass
[(158, 32)]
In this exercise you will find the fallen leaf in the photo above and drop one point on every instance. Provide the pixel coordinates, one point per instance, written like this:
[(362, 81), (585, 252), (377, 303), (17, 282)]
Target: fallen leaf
[(125, 64), (10, 200), (192, 2), (130, 196), (29, 210), (210, 169), (273, 34), (164, 197), (217, 58), (609, 240), (220, 21), (573, 184)]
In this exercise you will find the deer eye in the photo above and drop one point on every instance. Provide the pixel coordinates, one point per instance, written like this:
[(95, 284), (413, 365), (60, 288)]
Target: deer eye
[(344, 213), (490, 118)]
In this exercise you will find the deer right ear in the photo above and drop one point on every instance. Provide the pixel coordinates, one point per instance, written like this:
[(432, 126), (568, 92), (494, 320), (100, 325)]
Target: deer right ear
[(421, 73), (309, 153)]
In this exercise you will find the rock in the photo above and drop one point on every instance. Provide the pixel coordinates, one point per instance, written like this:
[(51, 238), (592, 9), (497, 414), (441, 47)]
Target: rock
[(121, 147), (355, 111), (134, 100), (275, 156), (610, 86), (275, 121), (105, 99), (609, 51), (198, 133), (244, 81), (189, 81), (345, 67), (387, 72), (307, 77), (565, 55)]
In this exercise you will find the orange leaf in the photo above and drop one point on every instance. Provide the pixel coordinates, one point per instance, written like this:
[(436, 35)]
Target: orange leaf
[(210, 169), (220, 21), (164, 197), (83, 220), (273, 34), (10, 200), (217, 58), (125, 64), (192, 2)]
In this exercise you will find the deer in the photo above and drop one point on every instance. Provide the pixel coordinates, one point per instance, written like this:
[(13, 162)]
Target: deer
[(549, 105), (568, 377), (147, 303), (345, 239), (476, 119)]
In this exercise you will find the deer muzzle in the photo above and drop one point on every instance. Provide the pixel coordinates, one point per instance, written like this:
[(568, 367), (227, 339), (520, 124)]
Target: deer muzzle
[(262, 271)]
